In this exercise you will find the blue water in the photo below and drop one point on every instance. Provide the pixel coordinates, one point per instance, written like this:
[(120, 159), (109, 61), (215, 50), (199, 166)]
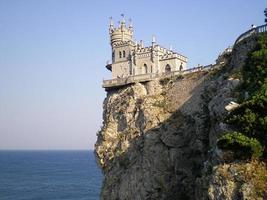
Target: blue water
[(49, 175)]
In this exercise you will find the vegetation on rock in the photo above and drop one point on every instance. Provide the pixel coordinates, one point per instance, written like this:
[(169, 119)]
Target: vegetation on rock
[(246, 176), (251, 117), (245, 146)]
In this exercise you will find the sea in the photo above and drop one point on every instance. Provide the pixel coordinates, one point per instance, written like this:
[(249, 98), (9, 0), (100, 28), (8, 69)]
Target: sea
[(49, 175)]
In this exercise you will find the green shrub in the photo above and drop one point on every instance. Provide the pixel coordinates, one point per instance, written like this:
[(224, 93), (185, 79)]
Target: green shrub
[(254, 71), (241, 144), (251, 117)]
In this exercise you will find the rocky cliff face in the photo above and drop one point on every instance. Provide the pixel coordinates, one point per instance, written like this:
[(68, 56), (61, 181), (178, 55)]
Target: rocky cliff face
[(158, 139)]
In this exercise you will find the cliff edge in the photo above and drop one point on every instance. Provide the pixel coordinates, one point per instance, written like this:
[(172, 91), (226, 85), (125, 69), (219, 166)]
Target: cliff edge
[(159, 138)]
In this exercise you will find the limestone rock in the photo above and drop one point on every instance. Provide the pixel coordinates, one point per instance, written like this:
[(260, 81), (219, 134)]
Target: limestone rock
[(231, 106), (158, 139), (152, 143)]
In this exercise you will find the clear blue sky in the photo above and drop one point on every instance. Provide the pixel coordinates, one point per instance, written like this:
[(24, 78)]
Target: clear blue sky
[(53, 55)]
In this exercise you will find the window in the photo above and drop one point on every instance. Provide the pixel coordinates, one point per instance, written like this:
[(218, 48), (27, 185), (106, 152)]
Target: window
[(168, 68), (145, 69), (124, 54), (120, 54), (113, 56), (181, 67)]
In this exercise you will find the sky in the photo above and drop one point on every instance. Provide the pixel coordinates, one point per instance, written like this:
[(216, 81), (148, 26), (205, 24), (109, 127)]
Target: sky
[(53, 55)]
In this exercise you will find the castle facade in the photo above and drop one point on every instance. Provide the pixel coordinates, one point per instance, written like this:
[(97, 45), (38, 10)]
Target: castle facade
[(130, 58)]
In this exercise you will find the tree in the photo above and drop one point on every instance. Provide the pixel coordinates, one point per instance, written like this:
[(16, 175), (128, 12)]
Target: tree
[(265, 13)]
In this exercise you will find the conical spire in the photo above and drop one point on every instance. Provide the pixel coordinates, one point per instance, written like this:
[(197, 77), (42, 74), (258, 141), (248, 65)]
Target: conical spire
[(111, 25), (130, 24), (153, 39), (111, 21), (122, 21)]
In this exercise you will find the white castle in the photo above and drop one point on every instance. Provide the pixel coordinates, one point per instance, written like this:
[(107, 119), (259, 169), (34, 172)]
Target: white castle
[(132, 59)]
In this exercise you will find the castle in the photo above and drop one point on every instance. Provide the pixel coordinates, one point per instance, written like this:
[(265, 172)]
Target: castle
[(131, 59)]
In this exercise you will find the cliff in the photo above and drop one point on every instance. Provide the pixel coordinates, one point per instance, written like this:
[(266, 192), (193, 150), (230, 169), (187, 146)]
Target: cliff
[(159, 138)]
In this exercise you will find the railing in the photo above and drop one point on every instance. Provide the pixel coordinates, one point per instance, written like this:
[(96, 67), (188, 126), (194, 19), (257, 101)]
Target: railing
[(253, 31), (129, 79), (147, 77)]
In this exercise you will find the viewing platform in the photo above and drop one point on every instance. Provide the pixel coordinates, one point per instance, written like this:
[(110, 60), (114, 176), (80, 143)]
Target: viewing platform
[(251, 32), (117, 82)]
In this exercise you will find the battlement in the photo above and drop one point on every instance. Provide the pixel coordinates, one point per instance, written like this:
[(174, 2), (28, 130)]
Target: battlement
[(172, 55), (143, 49)]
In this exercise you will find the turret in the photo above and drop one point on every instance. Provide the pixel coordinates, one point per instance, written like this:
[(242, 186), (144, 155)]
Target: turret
[(121, 33)]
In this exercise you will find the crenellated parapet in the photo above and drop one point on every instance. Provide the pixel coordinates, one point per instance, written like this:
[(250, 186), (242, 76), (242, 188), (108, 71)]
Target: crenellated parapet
[(173, 55)]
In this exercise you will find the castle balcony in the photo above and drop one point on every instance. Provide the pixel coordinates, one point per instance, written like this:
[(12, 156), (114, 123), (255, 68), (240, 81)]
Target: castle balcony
[(118, 82), (109, 65), (251, 32)]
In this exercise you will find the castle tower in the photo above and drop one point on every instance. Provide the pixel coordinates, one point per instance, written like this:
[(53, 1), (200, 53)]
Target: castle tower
[(121, 41), (121, 33)]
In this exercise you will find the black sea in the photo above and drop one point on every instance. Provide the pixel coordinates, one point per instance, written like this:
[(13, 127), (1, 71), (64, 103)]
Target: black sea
[(49, 175)]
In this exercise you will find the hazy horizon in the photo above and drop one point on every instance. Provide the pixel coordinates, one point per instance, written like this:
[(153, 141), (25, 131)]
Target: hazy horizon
[(53, 56)]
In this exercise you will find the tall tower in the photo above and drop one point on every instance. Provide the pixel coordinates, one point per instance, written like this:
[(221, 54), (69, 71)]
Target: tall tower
[(121, 41)]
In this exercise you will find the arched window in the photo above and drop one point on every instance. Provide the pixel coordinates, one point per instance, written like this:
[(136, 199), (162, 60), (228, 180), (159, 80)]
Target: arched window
[(168, 68), (145, 69), (124, 54), (181, 67), (120, 54)]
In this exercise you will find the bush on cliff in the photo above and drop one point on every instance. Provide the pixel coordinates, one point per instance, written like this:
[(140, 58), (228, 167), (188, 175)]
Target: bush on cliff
[(251, 117), (254, 72), (244, 146)]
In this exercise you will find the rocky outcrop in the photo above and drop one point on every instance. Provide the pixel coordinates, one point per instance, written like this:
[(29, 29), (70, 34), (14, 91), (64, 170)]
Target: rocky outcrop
[(241, 50), (158, 139), (154, 139), (242, 181)]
